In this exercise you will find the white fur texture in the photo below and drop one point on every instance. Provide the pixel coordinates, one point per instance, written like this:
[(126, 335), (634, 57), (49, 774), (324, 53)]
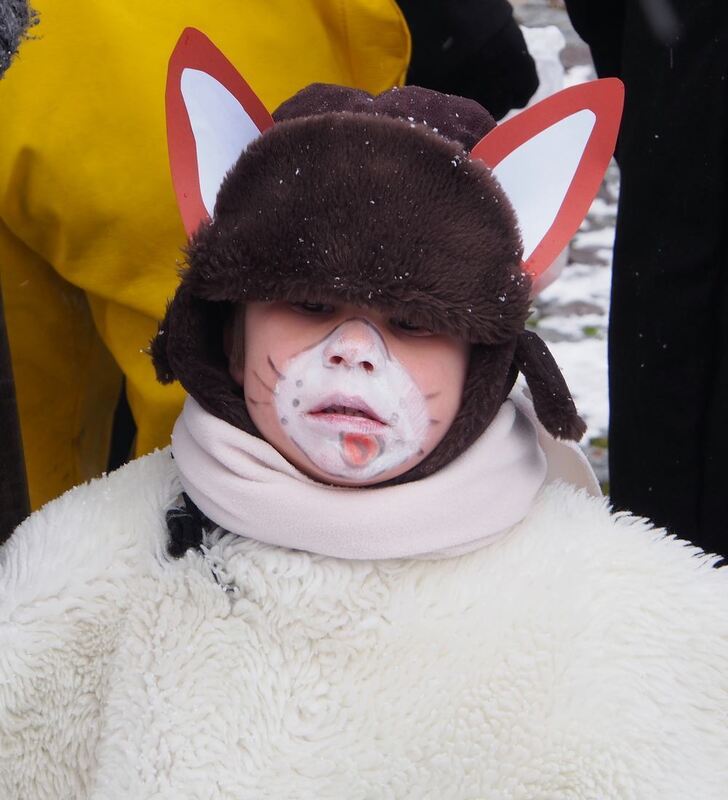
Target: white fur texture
[(585, 656)]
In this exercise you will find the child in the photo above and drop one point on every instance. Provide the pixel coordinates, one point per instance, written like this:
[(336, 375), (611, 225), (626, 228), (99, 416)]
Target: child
[(373, 583)]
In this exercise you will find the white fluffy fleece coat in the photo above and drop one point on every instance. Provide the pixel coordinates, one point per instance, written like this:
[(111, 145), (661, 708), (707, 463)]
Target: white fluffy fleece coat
[(583, 656)]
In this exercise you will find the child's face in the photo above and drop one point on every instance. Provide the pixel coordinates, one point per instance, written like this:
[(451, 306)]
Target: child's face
[(347, 394)]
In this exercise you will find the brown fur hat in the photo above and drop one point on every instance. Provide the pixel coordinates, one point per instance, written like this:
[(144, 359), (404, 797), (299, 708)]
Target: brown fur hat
[(371, 201)]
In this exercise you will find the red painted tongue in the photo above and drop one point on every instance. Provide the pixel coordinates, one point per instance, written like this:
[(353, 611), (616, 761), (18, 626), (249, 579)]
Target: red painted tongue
[(359, 449)]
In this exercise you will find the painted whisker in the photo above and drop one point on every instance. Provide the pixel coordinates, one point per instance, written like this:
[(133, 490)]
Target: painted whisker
[(275, 369), (263, 382)]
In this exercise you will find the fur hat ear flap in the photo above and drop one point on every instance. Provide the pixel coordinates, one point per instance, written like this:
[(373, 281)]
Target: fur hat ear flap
[(551, 397), (158, 349), (189, 348)]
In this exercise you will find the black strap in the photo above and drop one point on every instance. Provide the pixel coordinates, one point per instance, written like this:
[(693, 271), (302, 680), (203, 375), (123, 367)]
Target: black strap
[(186, 525)]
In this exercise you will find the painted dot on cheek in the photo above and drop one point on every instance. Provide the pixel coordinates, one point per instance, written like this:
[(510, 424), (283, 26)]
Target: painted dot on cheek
[(284, 421), (296, 403), (299, 383)]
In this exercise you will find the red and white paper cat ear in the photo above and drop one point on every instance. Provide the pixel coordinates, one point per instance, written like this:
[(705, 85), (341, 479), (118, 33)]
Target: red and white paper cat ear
[(212, 116), (550, 160)]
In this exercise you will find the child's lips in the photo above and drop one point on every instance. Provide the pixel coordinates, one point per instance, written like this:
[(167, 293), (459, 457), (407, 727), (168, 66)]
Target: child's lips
[(346, 423), (346, 414)]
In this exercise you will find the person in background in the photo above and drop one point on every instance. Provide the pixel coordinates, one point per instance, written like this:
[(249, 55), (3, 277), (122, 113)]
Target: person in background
[(472, 48), (668, 332)]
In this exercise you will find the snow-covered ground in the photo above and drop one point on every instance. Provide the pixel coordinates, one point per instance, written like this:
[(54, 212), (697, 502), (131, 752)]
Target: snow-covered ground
[(571, 314)]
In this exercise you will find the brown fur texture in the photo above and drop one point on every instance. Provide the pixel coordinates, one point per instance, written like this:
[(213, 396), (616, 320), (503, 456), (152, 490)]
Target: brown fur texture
[(458, 119), (370, 201), (318, 209), (549, 390)]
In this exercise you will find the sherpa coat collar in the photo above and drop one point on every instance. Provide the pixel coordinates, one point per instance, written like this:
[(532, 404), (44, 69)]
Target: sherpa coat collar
[(584, 656)]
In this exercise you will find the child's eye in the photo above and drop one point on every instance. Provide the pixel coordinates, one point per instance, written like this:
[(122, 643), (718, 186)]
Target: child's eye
[(312, 308), (408, 328)]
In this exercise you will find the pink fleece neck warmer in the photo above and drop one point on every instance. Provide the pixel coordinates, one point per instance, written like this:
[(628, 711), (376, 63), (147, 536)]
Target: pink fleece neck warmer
[(245, 486)]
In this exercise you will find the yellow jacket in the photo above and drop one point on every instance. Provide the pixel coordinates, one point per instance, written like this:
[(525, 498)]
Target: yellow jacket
[(90, 236)]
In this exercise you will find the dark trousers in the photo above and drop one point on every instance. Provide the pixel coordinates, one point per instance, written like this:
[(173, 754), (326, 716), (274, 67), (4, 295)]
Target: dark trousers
[(668, 335), (13, 488)]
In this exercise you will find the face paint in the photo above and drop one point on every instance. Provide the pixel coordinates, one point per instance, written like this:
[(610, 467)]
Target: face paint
[(349, 406)]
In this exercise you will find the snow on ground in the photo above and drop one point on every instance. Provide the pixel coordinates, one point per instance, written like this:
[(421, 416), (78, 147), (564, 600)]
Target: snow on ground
[(571, 314)]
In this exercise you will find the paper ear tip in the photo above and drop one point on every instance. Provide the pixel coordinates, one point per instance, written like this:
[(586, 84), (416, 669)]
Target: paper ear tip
[(603, 96), (190, 43), (189, 34), (610, 92), (616, 84)]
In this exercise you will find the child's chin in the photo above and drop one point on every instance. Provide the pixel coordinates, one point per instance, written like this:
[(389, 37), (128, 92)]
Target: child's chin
[(342, 474)]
